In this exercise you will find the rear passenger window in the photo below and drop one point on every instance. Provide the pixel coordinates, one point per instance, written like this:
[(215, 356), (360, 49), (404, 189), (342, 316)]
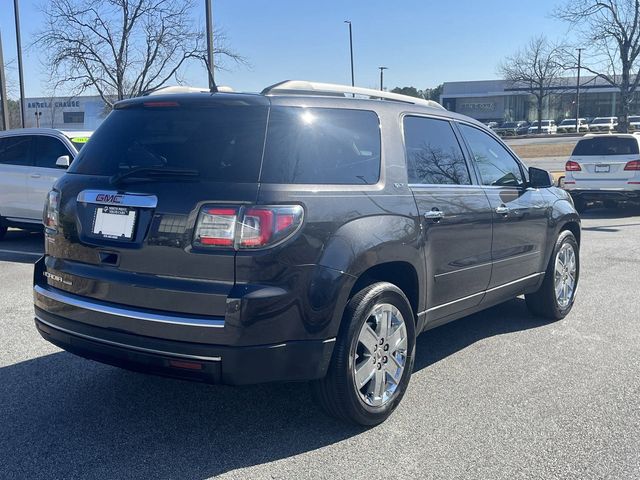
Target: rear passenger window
[(434, 155), (322, 146), (496, 165), (15, 150), (47, 151)]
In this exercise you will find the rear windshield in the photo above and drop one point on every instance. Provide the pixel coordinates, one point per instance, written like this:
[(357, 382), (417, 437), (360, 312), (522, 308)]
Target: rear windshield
[(322, 146), (569, 121), (223, 143), (603, 120), (606, 146)]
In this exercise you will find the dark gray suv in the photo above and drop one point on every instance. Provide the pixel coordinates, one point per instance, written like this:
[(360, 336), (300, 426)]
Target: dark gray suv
[(298, 234)]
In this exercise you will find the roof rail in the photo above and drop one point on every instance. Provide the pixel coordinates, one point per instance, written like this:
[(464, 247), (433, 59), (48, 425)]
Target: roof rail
[(301, 87)]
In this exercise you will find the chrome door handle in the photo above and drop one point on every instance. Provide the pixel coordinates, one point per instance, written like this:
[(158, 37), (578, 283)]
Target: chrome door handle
[(502, 210), (35, 175), (434, 215)]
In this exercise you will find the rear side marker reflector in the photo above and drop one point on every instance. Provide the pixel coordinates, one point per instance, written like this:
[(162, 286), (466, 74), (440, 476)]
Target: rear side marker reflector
[(185, 365), (246, 227)]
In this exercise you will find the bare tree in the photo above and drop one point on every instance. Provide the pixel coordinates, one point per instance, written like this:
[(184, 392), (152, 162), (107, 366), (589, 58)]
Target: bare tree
[(610, 31), (535, 68), (121, 48)]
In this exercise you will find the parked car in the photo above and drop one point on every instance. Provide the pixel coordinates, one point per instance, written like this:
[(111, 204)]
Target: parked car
[(603, 124), (510, 129), (634, 123), (492, 125), (547, 127), (300, 234), (31, 160), (568, 125), (604, 169)]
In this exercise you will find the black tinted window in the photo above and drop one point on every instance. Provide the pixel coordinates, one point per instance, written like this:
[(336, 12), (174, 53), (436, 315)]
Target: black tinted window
[(47, 151), (15, 150), (496, 165), (434, 155), (606, 146), (222, 142), (322, 145)]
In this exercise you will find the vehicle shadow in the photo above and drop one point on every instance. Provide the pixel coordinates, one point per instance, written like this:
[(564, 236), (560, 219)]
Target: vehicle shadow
[(68, 417), (629, 212), (441, 342), (21, 246)]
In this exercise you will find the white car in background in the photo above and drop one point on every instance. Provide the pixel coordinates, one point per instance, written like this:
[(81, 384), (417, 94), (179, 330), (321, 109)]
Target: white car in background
[(603, 124), (548, 127), (604, 169), (31, 160), (568, 125)]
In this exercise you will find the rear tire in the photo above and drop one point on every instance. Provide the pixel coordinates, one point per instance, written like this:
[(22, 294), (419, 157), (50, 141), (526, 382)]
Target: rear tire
[(373, 357), (554, 299)]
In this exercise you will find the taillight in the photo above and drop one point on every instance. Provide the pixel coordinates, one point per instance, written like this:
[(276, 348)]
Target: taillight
[(216, 226), (51, 210), (246, 227), (572, 166), (632, 165)]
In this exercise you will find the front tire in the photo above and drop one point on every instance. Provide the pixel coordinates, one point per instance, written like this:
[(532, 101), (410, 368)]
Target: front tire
[(373, 357), (554, 299)]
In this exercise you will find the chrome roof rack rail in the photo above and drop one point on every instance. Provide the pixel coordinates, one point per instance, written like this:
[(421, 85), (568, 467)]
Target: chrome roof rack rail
[(301, 87)]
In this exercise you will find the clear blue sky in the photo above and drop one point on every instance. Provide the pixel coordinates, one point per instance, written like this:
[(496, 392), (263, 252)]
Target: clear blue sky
[(424, 43)]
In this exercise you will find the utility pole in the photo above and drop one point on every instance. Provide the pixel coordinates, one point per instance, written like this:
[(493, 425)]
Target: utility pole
[(382, 69), (4, 115), (353, 80), (19, 47), (210, 66), (578, 92)]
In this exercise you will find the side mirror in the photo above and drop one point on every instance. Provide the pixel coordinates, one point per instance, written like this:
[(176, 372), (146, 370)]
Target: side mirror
[(539, 178), (63, 161)]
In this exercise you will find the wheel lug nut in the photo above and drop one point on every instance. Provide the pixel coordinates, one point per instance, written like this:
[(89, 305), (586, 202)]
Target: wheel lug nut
[(375, 347), (379, 366), (386, 347), (384, 359), (381, 341)]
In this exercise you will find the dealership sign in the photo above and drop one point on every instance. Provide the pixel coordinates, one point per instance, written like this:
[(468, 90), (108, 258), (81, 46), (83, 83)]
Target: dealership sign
[(71, 103), (478, 106)]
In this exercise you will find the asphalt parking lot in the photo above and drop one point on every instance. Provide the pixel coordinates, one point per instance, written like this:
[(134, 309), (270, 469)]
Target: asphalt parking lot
[(498, 395)]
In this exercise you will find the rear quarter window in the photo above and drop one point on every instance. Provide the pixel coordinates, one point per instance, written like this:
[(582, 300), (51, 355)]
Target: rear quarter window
[(322, 146), (606, 146)]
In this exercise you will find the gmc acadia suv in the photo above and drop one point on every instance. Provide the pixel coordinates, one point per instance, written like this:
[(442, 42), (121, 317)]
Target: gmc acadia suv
[(298, 234)]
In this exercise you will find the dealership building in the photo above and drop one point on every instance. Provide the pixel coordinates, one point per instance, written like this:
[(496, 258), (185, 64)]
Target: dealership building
[(66, 113), (500, 100)]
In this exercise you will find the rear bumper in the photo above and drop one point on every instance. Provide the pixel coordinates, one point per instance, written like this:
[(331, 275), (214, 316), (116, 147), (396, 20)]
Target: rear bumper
[(601, 195), (290, 361)]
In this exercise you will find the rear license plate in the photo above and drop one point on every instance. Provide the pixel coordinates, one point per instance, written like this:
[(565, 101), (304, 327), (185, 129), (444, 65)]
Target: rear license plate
[(602, 168), (114, 222)]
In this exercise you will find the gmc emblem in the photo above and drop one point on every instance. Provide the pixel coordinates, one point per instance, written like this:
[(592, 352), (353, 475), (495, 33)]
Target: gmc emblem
[(109, 198)]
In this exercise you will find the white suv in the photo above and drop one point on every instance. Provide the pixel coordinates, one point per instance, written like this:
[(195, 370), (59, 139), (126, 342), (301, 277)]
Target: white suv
[(603, 124), (604, 169), (547, 127), (31, 160)]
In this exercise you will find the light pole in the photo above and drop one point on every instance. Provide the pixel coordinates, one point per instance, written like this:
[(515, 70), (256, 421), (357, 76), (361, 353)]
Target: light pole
[(578, 92), (19, 48), (212, 81), (382, 69), (4, 115), (353, 80)]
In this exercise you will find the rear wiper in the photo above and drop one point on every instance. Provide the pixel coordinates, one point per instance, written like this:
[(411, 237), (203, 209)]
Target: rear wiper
[(154, 172)]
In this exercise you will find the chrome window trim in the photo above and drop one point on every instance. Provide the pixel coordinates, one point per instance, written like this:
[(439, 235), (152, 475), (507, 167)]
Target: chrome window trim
[(127, 346), (139, 200), (75, 301)]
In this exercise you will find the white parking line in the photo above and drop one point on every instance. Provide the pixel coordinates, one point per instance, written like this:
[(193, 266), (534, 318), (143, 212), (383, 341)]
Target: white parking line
[(20, 252)]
